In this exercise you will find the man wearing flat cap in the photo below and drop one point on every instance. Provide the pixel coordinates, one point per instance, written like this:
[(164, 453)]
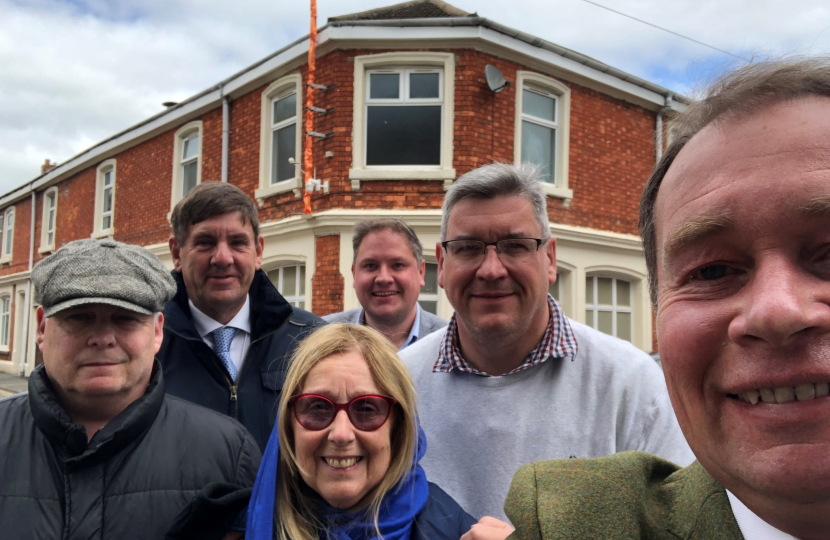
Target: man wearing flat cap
[(96, 449)]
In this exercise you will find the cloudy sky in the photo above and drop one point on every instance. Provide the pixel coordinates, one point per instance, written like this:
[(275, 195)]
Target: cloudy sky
[(74, 72)]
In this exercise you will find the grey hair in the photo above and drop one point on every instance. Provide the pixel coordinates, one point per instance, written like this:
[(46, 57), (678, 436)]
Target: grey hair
[(363, 228), (499, 180)]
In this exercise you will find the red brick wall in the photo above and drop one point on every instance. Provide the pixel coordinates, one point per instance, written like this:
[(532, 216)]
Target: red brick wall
[(20, 242), (327, 283)]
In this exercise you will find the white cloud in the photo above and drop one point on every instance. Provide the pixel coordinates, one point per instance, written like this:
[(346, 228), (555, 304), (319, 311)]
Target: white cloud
[(76, 72)]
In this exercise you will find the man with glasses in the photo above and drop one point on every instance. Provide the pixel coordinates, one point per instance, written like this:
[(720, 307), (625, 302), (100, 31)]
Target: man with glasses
[(512, 380)]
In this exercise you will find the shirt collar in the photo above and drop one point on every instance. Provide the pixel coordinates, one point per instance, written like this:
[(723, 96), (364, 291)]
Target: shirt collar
[(206, 325), (558, 341), (413, 332), (752, 527)]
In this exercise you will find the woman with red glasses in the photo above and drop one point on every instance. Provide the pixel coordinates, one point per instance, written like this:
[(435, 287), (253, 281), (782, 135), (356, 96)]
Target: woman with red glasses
[(342, 463)]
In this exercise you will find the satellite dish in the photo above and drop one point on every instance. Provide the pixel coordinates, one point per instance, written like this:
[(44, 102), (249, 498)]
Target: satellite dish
[(495, 80)]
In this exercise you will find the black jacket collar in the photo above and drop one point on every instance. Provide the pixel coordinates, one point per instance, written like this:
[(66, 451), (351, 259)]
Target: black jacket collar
[(70, 440), (269, 310)]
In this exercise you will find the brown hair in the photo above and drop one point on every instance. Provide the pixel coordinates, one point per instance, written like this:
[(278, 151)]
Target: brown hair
[(734, 95), (296, 512), (363, 228), (209, 200)]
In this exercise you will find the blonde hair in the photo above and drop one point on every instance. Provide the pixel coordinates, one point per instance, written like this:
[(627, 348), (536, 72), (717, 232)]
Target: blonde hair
[(297, 513)]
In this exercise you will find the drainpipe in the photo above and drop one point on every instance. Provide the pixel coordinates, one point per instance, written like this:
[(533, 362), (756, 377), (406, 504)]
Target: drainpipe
[(658, 149), (24, 334), (225, 133)]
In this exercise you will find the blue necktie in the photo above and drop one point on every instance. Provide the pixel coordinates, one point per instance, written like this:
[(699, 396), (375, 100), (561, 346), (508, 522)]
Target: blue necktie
[(222, 338)]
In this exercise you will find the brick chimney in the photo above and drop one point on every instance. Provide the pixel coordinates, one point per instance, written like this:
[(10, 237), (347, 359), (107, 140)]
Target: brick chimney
[(47, 166)]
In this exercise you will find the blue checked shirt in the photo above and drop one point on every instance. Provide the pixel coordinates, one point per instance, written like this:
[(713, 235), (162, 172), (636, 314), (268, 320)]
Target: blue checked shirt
[(558, 342)]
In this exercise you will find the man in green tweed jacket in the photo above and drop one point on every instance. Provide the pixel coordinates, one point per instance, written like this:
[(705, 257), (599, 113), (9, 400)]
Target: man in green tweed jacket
[(735, 222)]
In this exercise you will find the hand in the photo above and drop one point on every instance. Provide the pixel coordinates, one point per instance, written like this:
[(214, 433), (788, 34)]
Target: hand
[(488, 528)]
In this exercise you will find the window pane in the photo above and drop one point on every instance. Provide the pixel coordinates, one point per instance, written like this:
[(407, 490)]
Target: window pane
[(384, 85), (624, 326), (589, 318), (106, 223), (430, 306), (423, 85), (553, 289), (301, 305), (9, 237), (107, 200), (302, 280), (404, 135), (623, 293), (108, 178), (604, 294), (589, 290), (538, 105), (191, 148), (51, 222), (430, 279), (285, 108), (50, 239), (605, 322), (538, 147), (189, 177), (289, 281), (284, 146)]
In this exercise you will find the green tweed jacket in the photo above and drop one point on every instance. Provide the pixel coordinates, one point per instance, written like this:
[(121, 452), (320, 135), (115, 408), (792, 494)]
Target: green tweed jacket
[(625, 496)]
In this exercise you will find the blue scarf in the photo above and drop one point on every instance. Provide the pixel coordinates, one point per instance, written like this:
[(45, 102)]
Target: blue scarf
[(397, 511)]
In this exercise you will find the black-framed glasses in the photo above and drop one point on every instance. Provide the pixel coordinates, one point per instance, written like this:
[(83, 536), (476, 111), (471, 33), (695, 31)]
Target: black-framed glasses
[(509, 249), (366, 413)]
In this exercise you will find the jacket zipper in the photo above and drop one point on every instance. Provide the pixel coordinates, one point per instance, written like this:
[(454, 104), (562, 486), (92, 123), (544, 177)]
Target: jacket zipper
[(233, 386)]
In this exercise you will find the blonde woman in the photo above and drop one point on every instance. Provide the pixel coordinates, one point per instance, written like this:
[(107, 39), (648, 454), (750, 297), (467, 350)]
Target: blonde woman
[(342, 462)]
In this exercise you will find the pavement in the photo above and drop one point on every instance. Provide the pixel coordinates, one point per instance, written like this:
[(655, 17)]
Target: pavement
[(12, 384)]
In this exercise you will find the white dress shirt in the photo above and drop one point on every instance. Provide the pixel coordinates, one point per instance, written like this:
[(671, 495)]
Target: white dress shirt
[(753, 527), (241, 321)]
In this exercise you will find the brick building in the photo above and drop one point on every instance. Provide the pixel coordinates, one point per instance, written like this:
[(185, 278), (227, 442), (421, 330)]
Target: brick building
[(405, 110)]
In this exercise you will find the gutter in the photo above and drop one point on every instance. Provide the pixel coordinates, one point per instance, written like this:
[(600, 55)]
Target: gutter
[(658, 127)]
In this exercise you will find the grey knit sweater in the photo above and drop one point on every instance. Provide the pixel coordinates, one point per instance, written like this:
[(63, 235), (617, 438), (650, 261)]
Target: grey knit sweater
[(609, 398)]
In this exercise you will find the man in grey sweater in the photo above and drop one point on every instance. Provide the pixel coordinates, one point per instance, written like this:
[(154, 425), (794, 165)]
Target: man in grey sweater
[(512, 380)]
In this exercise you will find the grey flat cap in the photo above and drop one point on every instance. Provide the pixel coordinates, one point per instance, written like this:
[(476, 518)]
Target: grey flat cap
[(102, 272)]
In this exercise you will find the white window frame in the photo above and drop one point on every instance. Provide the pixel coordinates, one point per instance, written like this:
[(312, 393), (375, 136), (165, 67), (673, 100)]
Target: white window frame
[(614, 308), (5, 321), (297, 298), (443, 62), (45, 245), (279, 89), (432, 297), (8, 229), (545, 85), (185, 133), (98, 231)]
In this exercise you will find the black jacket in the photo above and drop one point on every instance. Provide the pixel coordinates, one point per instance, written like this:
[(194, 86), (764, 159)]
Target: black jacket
[(129, 482), (441, 519), (192, 371)]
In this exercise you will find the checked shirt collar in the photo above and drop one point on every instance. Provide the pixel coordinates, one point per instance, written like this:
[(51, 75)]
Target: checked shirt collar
[(558, 342)]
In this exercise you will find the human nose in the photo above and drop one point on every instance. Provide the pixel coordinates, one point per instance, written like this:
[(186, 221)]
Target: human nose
[(383, 275), (102, 335), (341, 430), (491, 266), (222, 255), (783, 306)]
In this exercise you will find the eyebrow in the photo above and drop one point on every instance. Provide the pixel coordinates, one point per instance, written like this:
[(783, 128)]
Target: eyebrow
[(817, 207), (696, 229)]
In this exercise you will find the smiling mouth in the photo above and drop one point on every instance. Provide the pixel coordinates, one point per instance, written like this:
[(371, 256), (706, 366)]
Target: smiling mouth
[(384, 293), (801, 392), (342, 463)]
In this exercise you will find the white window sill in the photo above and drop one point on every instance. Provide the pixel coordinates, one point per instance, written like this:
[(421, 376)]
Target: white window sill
[(402, 174), (559, 193), (276, 189), (5, 349), (6, 259), (102, 234), (46, 249)]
